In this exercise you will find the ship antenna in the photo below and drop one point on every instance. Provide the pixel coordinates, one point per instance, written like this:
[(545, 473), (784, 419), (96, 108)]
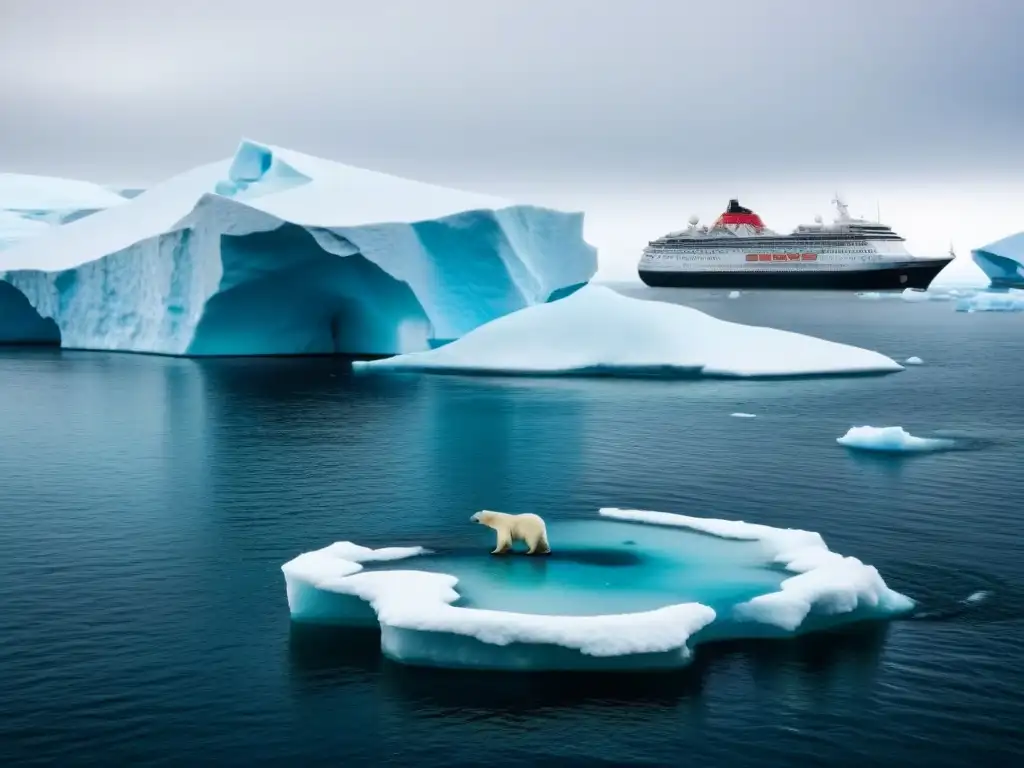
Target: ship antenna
[(844, 214), (878, 212)]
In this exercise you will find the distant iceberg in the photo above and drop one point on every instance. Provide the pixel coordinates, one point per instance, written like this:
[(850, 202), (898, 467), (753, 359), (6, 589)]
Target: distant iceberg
[(276, 252), (30, 205), (1002, 261), (891, 440), (632, 590), (598, 331)]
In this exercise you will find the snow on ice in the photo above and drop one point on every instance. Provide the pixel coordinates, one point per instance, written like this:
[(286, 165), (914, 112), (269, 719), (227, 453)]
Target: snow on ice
[(598, 331)]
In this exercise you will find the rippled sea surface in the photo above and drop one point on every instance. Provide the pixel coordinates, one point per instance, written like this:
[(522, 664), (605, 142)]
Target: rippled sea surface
[(148, 503)]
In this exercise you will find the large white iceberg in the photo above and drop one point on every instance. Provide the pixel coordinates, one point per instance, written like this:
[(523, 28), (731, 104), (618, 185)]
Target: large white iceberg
[(30, 205), (273, 251), (1002, 261), (802, 586), (599, 331)]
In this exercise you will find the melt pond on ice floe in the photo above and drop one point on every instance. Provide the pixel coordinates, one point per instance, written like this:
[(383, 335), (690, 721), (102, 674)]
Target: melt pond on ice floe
[(624, 592)]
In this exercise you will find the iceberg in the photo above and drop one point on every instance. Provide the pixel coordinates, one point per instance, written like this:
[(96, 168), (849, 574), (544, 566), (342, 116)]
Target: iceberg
[(631, 590), (891, 440), (1002, 261), (597, 331), (913, 360), (272, 251), (30, 205)]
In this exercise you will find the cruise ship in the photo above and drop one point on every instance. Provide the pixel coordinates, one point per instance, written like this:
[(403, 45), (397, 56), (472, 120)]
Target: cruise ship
[(739, 251)]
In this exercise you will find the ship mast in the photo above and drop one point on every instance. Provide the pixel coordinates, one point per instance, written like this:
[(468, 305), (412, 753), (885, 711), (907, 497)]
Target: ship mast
[(841, 207)]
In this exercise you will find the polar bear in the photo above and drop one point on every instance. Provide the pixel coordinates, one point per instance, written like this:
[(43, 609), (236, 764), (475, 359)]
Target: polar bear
[(510, 528)]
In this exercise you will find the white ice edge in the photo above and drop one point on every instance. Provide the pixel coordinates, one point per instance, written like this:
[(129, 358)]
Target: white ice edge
[(826, 581), (421, 601)]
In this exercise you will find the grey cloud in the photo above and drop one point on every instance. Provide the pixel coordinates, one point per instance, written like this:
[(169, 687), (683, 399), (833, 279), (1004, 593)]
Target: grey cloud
[(548, 91)]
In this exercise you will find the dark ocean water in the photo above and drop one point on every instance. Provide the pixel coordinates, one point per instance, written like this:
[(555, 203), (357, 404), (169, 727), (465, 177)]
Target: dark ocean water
[(148, 504)]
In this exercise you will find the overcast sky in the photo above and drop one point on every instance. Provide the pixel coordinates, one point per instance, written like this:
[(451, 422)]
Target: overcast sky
[(613, 95), (546, 90)]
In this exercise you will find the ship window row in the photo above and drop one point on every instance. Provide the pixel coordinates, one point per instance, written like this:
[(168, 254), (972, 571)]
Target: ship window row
[(700, 247), (788, 245), (691, 256), (859, 237), (768, 243)]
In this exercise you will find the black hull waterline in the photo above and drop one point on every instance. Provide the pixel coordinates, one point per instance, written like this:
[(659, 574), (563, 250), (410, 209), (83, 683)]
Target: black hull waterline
[(918, 274)]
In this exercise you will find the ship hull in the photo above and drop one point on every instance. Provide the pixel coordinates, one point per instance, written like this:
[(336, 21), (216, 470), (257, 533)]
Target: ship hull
[(917, 274)]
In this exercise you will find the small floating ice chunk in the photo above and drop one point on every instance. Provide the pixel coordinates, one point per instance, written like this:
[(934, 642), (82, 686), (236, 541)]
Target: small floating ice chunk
[(913, 294), (734, 294), (741, 415), (1011, 301), (598, 331), (913, 361), (890, 439)]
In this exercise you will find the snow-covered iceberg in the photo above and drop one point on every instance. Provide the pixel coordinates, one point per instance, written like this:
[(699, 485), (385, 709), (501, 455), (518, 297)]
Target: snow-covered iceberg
[(633, 590), (891, 440), (30, 205), (273, 251), (598, 331), (1002, 261)]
